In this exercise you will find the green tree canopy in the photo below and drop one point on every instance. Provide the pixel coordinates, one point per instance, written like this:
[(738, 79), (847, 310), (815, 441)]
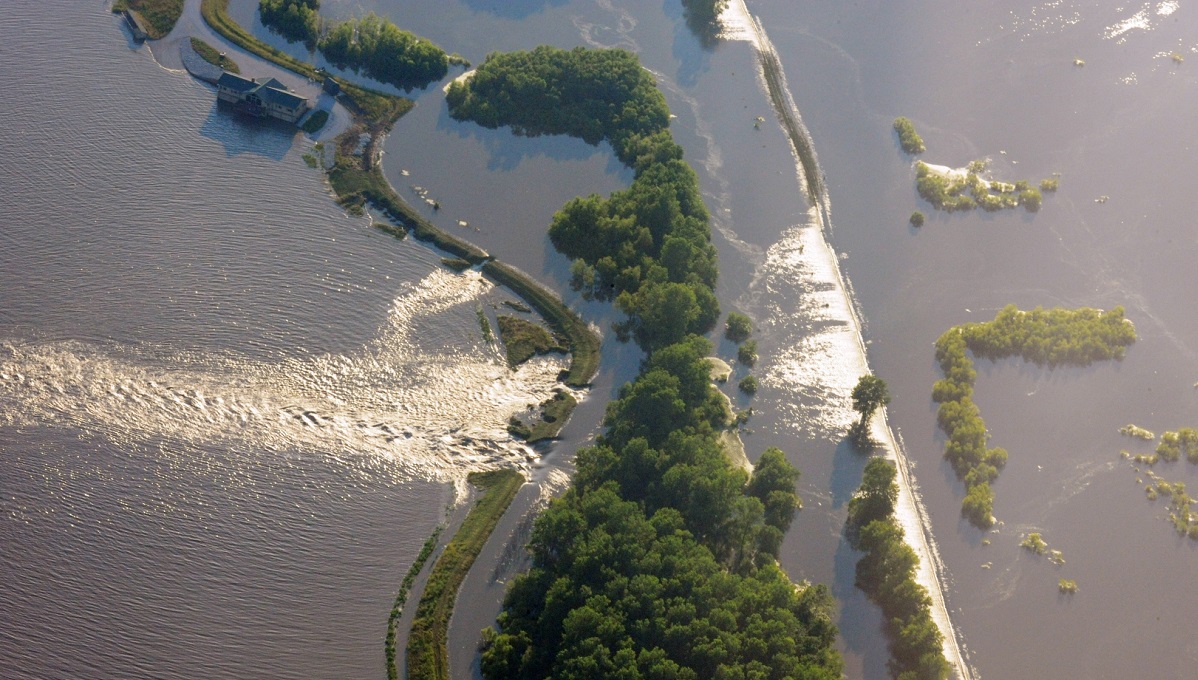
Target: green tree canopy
[(877, 495), (870, 394)]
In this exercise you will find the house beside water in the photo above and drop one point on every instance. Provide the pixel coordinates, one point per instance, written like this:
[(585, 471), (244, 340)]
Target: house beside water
[(261, 97)]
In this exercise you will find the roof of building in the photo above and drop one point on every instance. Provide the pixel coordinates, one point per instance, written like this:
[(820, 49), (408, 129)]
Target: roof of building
[(235, 82), (270, 90)]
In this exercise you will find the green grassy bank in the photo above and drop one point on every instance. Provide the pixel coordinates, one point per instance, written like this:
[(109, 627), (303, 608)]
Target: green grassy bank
[(158, 16), (213, 56), (428, 658), (402, 598)]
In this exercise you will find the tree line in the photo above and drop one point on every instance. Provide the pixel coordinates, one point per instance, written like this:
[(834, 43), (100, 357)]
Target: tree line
[(886, 573), (1045, 337), (372, 45), (647, 247), (660, 560)]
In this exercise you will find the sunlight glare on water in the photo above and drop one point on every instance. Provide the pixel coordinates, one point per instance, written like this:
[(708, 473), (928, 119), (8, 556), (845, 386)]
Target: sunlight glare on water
[(440, 412)]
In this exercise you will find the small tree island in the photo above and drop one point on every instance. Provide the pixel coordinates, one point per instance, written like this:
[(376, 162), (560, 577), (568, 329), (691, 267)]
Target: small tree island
[(909, 139)]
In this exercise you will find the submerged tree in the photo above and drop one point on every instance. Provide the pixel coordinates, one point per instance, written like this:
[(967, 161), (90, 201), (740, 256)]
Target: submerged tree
[(869, 394)]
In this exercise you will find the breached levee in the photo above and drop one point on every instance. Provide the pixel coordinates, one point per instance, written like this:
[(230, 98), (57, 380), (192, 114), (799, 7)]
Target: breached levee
[(804, 252), (438, 410)]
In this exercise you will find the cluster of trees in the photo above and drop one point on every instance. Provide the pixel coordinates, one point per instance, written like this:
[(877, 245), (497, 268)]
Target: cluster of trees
[(886, 573), (1181, 505), (909, 139), (1049, 337), (296, 20), (591, 94), (384, 52), (1052, 337), (1175, 444), (951, 195), (649, 246), (703, 11), (660, 560), (738, 328), (372, 45), (702, 17)]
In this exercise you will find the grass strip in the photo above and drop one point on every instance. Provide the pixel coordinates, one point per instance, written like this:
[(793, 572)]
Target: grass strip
[(523, 339), (772, 70), (353, 184), (402, 598), (216, 13), (213, 56), (428, 658), (158, 16), (584, 344)]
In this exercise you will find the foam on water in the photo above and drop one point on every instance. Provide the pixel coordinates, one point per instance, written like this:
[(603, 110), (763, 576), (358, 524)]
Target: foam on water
[(440, 413)]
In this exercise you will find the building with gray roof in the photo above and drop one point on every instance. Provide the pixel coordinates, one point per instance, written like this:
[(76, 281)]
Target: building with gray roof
[(261, 97)]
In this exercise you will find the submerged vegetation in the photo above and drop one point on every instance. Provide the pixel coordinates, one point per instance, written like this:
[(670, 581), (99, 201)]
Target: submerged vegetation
[(1174, 445), (738, 327), (1034, 543), (747, 384), (703, 19), (747, 352), (1171, 448), (1051, 337), (660, 559), (428, 658), (886, 573), (548, 421), (1133, 430), (953, 190), (909, 139), (295, 20)]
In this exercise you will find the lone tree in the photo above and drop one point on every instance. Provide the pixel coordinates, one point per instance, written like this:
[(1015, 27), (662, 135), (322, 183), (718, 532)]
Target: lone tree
[(870, 393), (738, 327)]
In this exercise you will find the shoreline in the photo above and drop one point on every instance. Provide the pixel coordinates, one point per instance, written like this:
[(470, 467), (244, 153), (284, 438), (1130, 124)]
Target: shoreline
[(909, 511), (377, 190), (359, 180)]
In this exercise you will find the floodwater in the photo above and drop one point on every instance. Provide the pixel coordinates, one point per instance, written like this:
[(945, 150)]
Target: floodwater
[(1000, 83), (230, 414), (209, 471)]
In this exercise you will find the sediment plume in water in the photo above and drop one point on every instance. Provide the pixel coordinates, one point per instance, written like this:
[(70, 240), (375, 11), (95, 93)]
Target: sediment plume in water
[(439, 412), (827, 353)]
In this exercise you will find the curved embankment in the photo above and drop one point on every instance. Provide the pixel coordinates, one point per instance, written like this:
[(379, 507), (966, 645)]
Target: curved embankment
[(909, 511), (428, 656), (352, 180)]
